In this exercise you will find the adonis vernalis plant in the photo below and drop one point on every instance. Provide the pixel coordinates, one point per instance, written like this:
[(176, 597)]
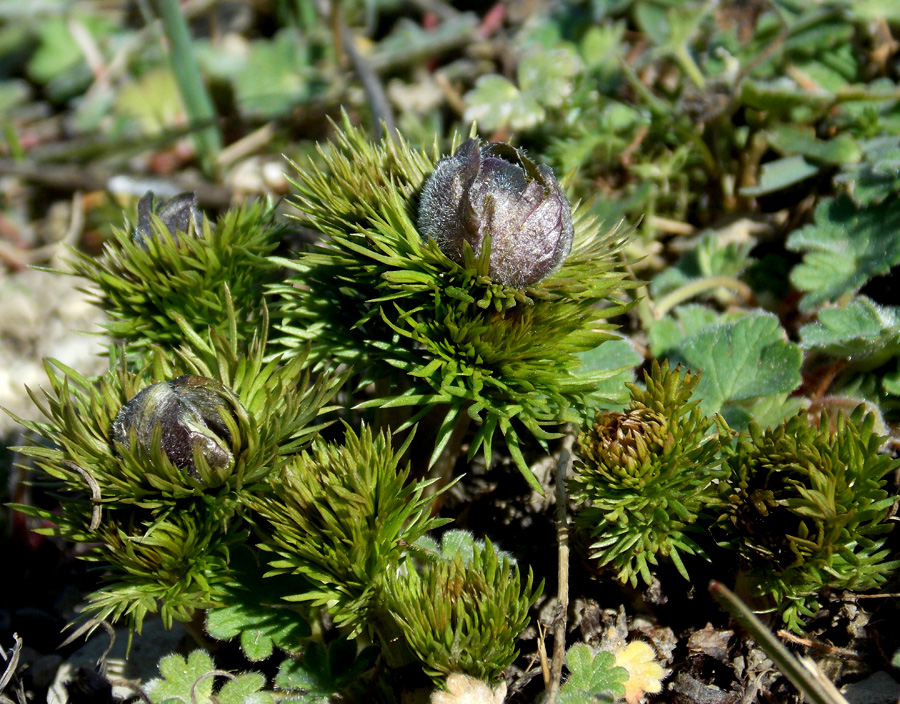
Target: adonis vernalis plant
[(646, 476), (154, 485), (479, 338), (808, 508), (174, 268)]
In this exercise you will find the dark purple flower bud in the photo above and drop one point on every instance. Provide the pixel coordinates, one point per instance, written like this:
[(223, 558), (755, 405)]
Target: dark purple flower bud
[(189, 412), (496, 190), (178, 214)]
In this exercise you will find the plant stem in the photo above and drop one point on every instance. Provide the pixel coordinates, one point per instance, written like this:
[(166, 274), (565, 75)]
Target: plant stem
[(442, 470), (688, 291), (689, 66), (382, 112), (814, 686), (197, 103), (562, 536)]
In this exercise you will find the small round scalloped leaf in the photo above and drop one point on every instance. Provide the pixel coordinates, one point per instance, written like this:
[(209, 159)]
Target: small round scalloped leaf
[(593, 676)]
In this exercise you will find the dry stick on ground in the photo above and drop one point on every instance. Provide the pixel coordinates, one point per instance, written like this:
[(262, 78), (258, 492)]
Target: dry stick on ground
[(562, 535), (382, 112)]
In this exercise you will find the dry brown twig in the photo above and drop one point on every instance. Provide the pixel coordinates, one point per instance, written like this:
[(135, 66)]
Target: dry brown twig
[(562, 535)]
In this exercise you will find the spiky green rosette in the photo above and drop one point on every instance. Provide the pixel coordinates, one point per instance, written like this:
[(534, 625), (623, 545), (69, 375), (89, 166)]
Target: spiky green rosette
[(161, 521), (808, 510), (146, 282), (341, 516), (463, 615), (646, 476), (376, 295)]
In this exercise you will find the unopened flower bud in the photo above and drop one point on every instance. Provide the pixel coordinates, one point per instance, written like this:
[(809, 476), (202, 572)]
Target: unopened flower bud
[(188, 411), (178, 214), (497, 191)]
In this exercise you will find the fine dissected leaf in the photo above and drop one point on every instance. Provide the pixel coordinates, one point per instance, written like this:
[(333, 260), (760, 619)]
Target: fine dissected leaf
[(742, 360), (324, 671), (862, 332), (844, 248), (594, 677)]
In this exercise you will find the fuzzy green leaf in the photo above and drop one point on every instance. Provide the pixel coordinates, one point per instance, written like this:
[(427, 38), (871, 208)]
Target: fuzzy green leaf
[(546, 76), (668, 334), (742, 360), (178, 679), (862, 332), (793, 139), (272, 79), (877, 176), (245, 689), (844, 248), (257, 613), (594, 677), (494, 101), (779, 174), (324, 671), (458, 542), (190, 681), (617, 359)]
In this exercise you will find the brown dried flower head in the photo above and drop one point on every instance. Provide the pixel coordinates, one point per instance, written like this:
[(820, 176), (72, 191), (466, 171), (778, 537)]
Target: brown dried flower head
[(497, 192), (188, 410)]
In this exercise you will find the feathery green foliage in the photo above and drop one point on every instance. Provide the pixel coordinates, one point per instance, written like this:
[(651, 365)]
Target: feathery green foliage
[(646, 476), (149, 285), (340, 516), (163, 531), (375, 295), (463, 615), (807, 510)]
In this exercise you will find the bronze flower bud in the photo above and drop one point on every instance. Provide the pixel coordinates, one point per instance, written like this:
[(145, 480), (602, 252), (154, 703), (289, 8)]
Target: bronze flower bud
[(496, 190), (178, 214), (189, 412)]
